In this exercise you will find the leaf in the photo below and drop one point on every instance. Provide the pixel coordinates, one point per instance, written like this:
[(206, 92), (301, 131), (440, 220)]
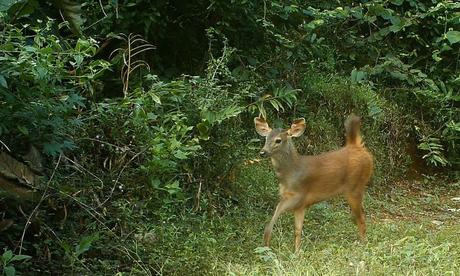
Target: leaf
[(435, 56), (180, 155), (203, 128), (7, 255), (262, 110), (52, 148), (173, 188), (398, 75), (3, 80), (314, 24), (9, 271), (23, 130), (357, 76), (75, 100), (397, 2), (453, 36), (252, 61), (23, 8), (85, 243), (275, 104), (20, 258), (155, 183), (155, 98), (6, 4), (262, 249), (214, 117)]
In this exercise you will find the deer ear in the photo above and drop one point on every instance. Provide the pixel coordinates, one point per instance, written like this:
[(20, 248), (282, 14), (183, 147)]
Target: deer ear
[(297, 128), (261, 126)]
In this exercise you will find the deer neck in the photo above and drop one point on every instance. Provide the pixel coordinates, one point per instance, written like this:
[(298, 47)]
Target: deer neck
[(284, 161)]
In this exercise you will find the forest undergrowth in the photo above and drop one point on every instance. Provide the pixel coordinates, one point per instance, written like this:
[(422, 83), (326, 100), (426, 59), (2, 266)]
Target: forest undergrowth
[(412, 229), (127, 140)]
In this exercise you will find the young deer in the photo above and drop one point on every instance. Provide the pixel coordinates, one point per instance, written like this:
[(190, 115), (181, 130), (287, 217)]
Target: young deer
[(306, 180)]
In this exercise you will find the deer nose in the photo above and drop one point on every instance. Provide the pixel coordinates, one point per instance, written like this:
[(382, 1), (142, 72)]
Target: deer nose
[(263, 153)]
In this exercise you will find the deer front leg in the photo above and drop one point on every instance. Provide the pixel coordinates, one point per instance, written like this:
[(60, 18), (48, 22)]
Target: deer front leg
[(287, 203), (299, 216)]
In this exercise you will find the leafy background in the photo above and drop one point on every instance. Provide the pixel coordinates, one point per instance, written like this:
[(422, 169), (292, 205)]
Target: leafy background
[(142, 112)]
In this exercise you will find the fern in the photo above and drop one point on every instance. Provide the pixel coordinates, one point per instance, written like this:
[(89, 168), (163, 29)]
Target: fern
[(435, 151), (281, 98)]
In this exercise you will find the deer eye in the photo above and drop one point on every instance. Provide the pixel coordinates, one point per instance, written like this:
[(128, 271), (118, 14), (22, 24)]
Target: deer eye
[(278, 140)]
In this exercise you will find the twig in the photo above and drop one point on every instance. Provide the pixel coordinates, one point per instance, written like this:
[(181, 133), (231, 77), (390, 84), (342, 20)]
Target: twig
[(5, 145), (138, 261), (93, 213), (38, 204), (95, 23), (60, 241), (220, 61), (265, 9), (102, 8), (198, 195), (121, 148), (83, 168), (87, 207), (90, 210), (119, 175)]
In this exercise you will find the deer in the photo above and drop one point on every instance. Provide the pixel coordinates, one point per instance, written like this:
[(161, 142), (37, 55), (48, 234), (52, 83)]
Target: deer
[(305, 180)]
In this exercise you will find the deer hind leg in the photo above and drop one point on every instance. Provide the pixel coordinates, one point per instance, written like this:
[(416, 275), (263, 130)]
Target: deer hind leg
[(299, 216), (357, 211), (286, 204)]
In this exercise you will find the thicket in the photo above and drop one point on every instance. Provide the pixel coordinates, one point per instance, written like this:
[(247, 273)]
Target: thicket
[(143, 110)]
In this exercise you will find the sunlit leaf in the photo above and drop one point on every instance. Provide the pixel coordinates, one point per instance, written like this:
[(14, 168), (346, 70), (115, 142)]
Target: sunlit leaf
[(453, 36)]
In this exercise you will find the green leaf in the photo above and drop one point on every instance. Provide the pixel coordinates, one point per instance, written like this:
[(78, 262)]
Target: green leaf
[(20, 258), (23, 8), (52, 148), (180, 155), (155, 98), (7, 255), (203, 128), (252, 61), (9, 271), (314, 24), (155, 183), (173, 188), (357, 76), (85, 243), (6, 4), (275, 104), (84, 46), (3, 81), (435, 56), (23, 130), (398, 75), (397, 2), (453, 36)]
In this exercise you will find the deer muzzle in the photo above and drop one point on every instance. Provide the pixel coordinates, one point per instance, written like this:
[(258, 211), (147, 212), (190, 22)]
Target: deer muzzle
[(263, 153)]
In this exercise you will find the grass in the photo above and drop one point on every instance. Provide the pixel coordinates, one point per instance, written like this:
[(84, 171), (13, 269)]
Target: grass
[(413, 229)]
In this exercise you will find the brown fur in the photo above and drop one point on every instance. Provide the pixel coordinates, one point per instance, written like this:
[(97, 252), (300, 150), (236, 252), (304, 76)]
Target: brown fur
[(306, 180)]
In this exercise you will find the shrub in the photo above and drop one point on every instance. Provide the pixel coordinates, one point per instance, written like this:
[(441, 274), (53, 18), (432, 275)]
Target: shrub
[(43, 84)]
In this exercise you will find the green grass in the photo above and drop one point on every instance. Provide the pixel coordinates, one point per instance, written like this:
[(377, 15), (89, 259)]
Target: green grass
[(412, 229)]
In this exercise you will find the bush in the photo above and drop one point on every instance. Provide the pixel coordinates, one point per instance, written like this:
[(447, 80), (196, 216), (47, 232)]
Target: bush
[(43, 84)]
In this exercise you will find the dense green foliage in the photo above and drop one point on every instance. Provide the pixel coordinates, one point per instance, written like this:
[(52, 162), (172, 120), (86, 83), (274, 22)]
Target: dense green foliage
[(143, 111)]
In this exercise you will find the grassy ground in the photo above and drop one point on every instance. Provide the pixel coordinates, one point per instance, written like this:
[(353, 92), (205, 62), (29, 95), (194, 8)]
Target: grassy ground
[(413, 228)]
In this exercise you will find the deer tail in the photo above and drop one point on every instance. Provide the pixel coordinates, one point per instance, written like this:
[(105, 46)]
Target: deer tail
[(352, 125)]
